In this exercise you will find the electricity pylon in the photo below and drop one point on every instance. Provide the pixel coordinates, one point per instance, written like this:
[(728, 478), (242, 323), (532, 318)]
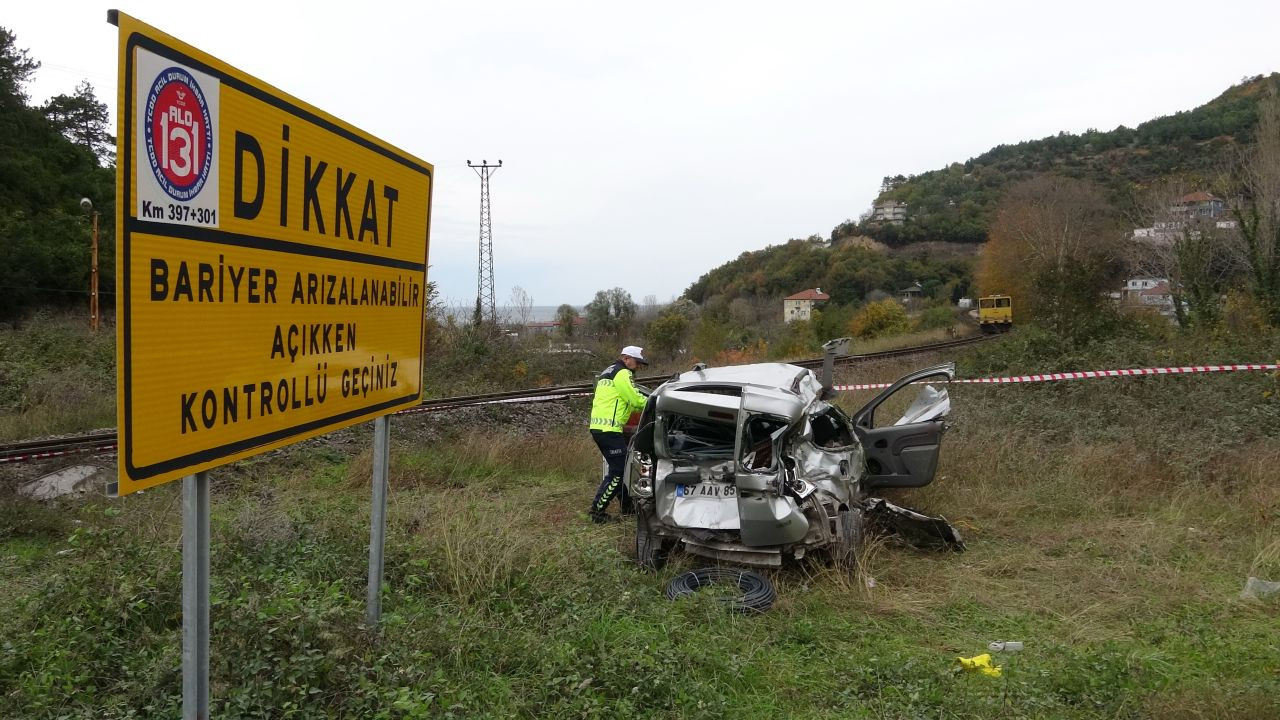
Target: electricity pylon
[(486, 306)]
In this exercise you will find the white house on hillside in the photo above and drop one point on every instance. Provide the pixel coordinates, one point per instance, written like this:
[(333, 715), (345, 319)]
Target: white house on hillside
[(800, 305), (890, 211)]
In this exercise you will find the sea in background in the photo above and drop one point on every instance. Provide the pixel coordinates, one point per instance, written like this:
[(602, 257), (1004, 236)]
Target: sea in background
[(537, 313)]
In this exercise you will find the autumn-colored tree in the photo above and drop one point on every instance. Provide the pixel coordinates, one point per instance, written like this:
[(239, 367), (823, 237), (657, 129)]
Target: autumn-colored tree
[(877, 319), (1055, 247)]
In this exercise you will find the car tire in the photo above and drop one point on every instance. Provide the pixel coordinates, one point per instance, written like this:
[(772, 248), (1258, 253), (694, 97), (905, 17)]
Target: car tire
[(849, 545), (651, 550)]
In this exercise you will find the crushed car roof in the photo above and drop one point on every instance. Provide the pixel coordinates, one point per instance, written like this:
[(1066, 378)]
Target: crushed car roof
[(773, 388), (781, 376)]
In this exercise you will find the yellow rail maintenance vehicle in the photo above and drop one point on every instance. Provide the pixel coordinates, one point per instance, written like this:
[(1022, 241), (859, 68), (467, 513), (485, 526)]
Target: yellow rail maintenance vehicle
[(995, 313)]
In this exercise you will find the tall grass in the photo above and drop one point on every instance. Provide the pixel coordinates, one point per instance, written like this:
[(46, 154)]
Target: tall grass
[(911, 339), (56, 376), (1112, 541)]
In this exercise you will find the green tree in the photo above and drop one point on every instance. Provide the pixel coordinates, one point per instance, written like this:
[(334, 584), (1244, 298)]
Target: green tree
[(611, 312), (796, 339), (83, 120), (666, 333), (44, 240), (712, 336), (16, 68), (832, 321), (565, 315)]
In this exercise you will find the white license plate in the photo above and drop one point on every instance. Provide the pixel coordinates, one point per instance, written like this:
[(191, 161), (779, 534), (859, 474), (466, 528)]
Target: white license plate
[(714, 491)]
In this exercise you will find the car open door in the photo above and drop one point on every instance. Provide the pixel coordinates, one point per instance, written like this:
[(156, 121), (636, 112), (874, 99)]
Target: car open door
[(905, 453)]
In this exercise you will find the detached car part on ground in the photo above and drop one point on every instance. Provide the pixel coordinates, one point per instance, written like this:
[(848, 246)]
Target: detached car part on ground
[(751, 464)]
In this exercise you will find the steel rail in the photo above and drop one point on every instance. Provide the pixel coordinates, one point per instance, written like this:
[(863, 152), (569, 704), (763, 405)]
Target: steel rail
[(106, 441)]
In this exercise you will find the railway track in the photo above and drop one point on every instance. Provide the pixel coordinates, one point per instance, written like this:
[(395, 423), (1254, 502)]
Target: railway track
[(105, 441)]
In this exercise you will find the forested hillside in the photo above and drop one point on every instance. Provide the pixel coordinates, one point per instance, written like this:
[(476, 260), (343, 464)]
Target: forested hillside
[(847, 271), (51, 156), (957, 203)]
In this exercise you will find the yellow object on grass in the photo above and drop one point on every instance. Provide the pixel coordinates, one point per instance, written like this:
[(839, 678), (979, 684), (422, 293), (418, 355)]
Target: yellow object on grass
[(980, 662)]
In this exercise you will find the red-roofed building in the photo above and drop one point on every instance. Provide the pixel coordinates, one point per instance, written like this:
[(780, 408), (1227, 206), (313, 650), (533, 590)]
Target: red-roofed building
[(800, 306), (1199, 204)]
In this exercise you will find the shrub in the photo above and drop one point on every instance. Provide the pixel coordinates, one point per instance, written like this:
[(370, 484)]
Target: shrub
[(666, 333), (795, 340), (1243, 315), (938, 316), (878, 319)]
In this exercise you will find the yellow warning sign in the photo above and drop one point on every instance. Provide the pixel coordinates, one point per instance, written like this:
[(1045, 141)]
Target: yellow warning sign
[(271, 265)]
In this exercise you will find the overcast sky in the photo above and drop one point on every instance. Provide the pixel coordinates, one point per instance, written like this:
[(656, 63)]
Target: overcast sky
[(644, 144)]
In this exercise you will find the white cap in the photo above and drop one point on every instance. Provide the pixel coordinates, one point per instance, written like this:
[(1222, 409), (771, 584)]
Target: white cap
[(636, 352)]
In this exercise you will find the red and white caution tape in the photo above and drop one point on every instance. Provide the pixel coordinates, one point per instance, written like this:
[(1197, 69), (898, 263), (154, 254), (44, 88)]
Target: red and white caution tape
[(1049, 377)]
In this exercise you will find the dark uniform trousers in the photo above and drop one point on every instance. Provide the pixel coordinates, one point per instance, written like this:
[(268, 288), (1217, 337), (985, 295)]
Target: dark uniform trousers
[(613, 446)]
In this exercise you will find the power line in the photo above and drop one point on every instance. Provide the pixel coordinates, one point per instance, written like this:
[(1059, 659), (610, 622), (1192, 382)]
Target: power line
[(49, 289), (485, 301)]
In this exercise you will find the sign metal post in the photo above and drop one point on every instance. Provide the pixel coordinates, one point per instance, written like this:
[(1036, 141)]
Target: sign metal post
[(378, 518), (195, 597)]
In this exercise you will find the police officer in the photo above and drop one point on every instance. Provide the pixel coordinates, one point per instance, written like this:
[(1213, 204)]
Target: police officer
[(615, 399)]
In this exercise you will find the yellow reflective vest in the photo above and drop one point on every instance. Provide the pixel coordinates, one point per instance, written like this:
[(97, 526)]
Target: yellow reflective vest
[(615, 399)]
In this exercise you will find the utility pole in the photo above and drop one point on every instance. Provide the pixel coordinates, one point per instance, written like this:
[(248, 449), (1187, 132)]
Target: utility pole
[(93, 277), (486, 306), (87, 205)]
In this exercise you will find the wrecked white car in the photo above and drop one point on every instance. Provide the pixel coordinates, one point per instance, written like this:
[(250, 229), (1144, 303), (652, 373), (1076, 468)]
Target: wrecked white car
[(751, 464)]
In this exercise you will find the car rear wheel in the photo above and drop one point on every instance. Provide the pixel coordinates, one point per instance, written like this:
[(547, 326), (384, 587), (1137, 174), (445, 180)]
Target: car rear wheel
[(849, 545), (651, 550)]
